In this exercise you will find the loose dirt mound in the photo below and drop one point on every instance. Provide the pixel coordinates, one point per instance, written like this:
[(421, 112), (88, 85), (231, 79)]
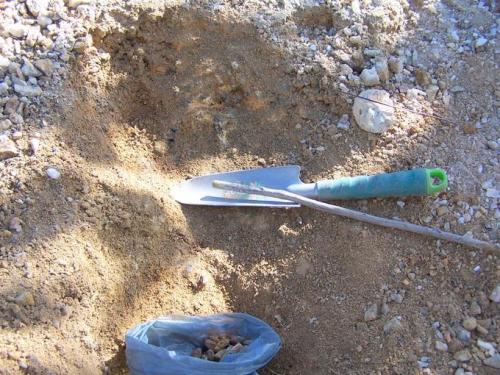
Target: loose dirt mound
[(181, 93)]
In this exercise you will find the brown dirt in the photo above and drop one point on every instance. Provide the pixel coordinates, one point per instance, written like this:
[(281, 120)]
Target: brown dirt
[(107, 247)]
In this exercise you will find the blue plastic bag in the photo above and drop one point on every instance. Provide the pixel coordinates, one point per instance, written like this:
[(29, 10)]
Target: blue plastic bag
[(163, 346)]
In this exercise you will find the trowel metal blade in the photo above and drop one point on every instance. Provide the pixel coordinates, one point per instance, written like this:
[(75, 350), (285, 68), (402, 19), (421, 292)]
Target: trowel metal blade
[(199, 190)]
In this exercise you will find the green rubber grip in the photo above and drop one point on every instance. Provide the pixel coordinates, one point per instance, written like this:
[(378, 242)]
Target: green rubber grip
[(420, 181)]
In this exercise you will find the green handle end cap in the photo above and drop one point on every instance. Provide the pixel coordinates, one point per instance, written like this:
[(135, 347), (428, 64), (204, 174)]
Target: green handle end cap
[(437, 180)]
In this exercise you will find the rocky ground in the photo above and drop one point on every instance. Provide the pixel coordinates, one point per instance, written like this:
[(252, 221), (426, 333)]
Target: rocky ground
[(104, 106)]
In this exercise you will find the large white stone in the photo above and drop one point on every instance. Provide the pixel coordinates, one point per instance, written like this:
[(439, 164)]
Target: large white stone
[(374, 117)]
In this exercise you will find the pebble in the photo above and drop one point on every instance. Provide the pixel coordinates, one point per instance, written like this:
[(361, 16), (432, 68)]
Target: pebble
[(4, 88), (492, 145), (25, 298), (393, 325), (4, 63), (37, 7), (462, 334), (493, 361), (495, 294), (75, 3), (395, 65), (470, 324), (487, 346), (480, 44), (369, 77), (8, 148), (34, 145), (160, 147), (53, 173), (16, 118), (371, 313), (475, 309), (15, 225), (5, 124), (27, 90), (344, 122), (17, 30), (382, 67), (441, 346), (373, 117), (29, 70), (422, 77), (46, 66), (462, 355)]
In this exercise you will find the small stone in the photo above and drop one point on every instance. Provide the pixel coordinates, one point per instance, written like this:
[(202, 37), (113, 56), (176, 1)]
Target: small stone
[(393, 325), (72, 4), (46, 66), (470, 324), (344, 122), (475, 309), (25, 298), (17, 135), (423, 78), (53, 173), (4, 63), (480, 44), (382, 68), (8, 148), (15, 225), (17, 30), (441, 346), (481, 330), (44, 21), (492, 145), (373, 117), (160, 147), (5, 124), (395, 65), (261, 162), (4, 88), (397, 297), (462, 355), (369, 77), (493, 361), (431, 92), (34, 145), (462, 334), (371, 313), (495, 294), (37, 7), (16, 118), (27, 90), (460, 371)]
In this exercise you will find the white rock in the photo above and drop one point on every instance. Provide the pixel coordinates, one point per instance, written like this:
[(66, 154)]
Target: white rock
[(371, 312), (344, 122), (373, 117), (37, 7), (17, 30), (26, 90), (393, 325), (5, 124), (4, 88), (4, 63), (53, 173), (488, 346), (382, 68), (493, 361), (495, 294), (8, 148), (34, 145), (75, 3), (480, 43), (29, 70), (46, 66), (369, 77), (44, 21)]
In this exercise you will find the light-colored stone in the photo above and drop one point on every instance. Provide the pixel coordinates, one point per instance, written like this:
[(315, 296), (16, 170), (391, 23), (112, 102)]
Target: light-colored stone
[(470, 324), (25, 298), (75, 3), (382, 68), (8, 148), (29, 70), (37, 7), (393, 325), (369, 77), (493, 361), (441, 346), (395, 65), (27, 90), (17, 30), (46, 66), (5, 124), (495, 294), (462, 355), (53, 173), (371, 312), (373, 117)]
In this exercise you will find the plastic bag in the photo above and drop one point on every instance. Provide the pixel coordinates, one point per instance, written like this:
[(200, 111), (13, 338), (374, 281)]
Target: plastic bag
[(163, 346)]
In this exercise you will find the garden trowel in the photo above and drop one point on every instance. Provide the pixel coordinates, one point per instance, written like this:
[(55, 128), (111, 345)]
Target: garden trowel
[(200, 190)]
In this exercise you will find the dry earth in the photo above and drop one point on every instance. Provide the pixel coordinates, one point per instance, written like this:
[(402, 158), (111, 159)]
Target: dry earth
[(161, 93)]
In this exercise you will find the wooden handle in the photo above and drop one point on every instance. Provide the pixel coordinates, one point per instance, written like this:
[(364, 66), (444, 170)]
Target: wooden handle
[(361, 216)]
